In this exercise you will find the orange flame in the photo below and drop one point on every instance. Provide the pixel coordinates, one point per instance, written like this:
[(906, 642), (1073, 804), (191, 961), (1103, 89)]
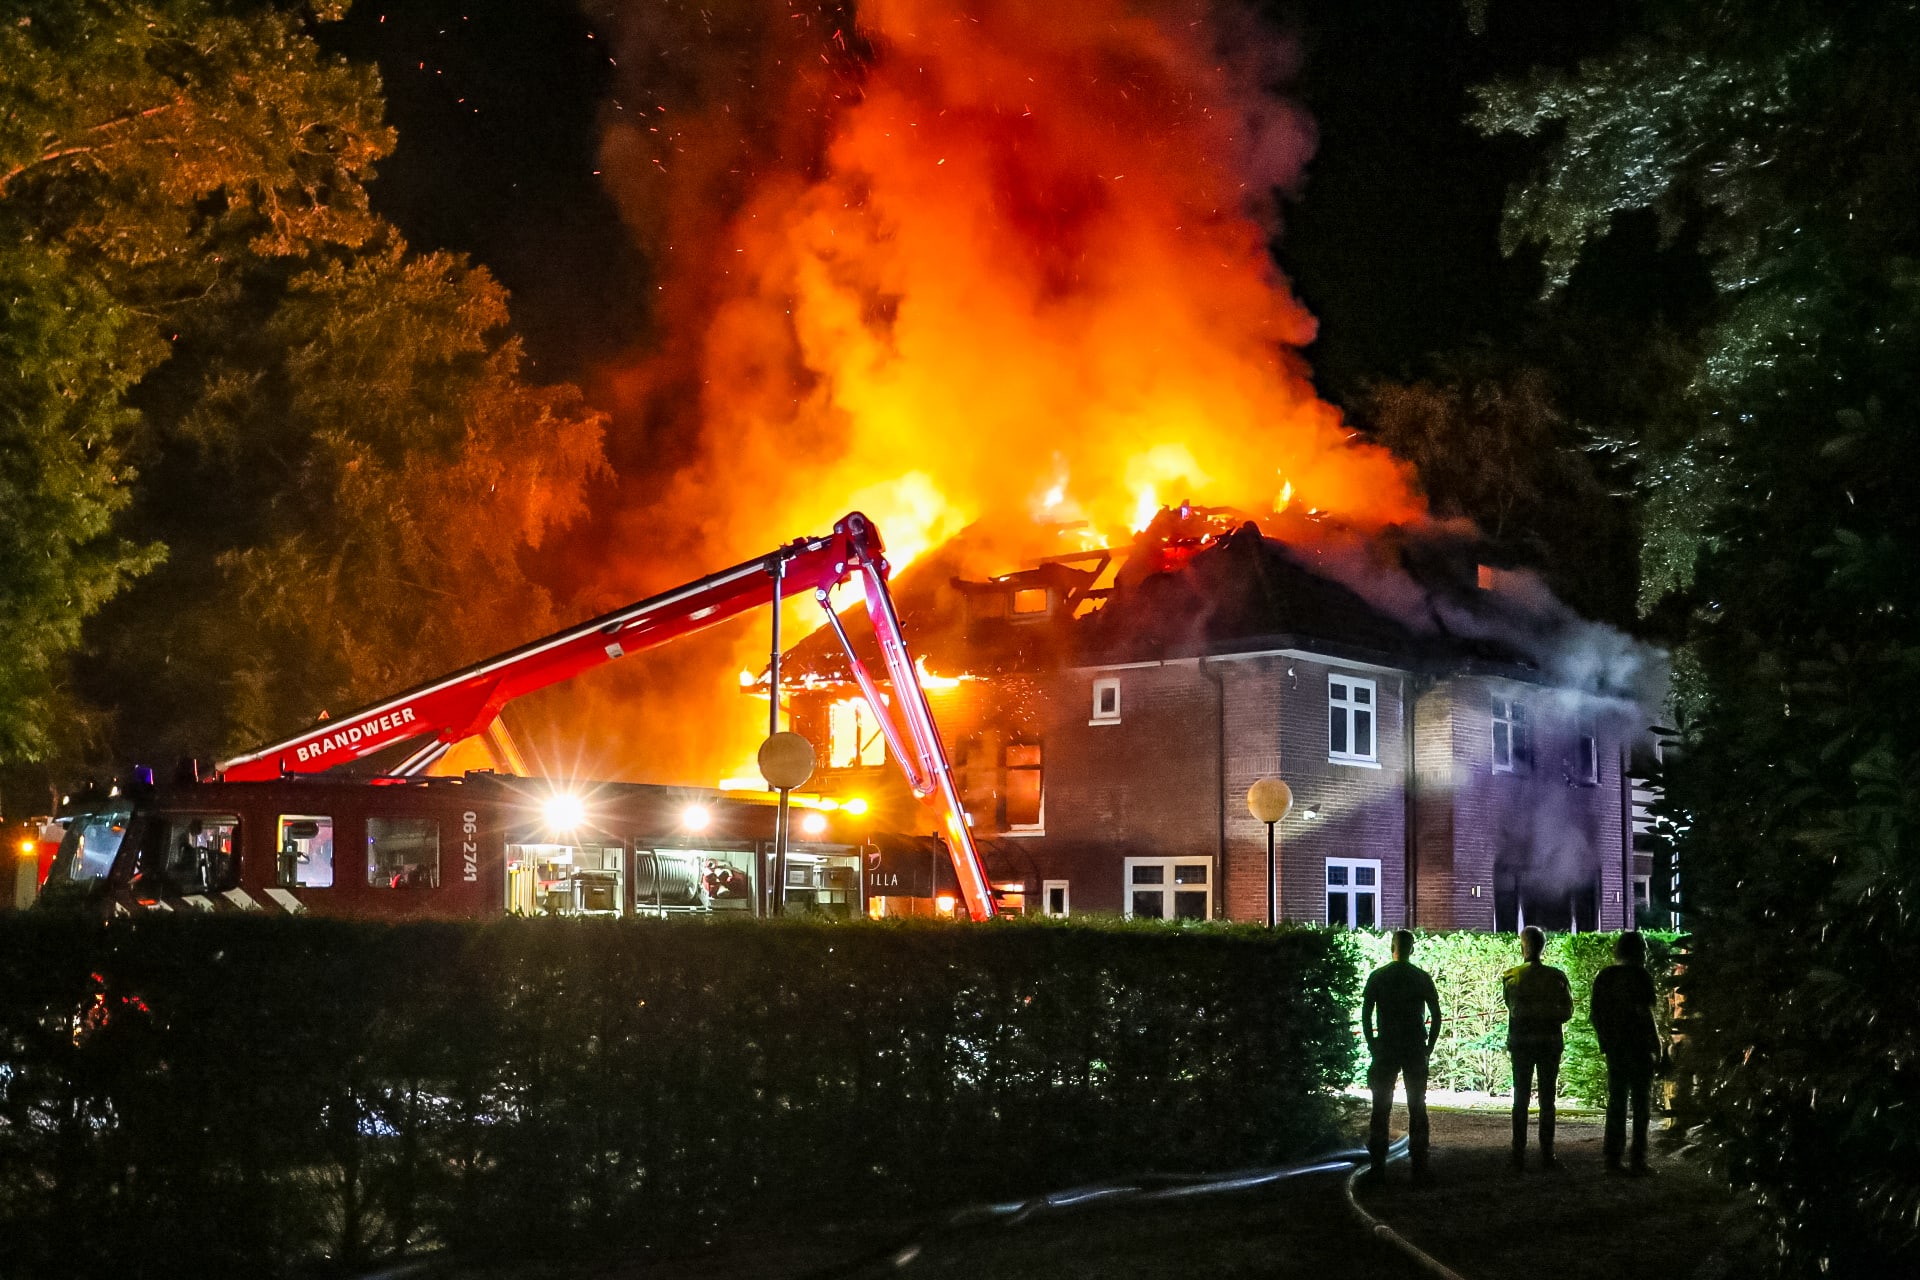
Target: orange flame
[(1028, 284)]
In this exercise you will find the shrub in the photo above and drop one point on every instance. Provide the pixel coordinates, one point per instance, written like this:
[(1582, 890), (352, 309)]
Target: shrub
[(239, 1095), (1472, 1053)]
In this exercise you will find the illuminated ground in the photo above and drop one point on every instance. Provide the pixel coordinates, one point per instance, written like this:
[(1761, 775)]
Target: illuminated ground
[(1488, 1223)]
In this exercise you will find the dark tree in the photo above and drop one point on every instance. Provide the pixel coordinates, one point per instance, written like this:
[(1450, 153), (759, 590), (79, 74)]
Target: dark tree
[(1780, 139)]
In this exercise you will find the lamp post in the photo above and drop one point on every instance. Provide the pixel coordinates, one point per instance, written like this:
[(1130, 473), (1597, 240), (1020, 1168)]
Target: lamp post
[(1269, 800), (786, 762)]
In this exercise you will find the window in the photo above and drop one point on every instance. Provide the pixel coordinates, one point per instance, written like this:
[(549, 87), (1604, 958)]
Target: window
[(1512, 741), (305, 842), (92, 843), (191, 853), (1350, 719), (1642, 894), (1353, 892), (403, 853), (1106, 701), (1030, 602), (1169, 888), (1586, 756), (1053, 897), (854, 739), (1020, 795)]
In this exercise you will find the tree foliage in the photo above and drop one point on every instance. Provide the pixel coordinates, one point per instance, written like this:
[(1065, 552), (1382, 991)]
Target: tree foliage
[(221, 355), (1779, 139)]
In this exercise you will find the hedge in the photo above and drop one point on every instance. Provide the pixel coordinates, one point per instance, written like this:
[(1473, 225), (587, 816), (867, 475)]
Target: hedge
[(1471, 1055), (231, 1095)]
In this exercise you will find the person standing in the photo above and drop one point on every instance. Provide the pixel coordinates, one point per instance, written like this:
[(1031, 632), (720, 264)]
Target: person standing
[(1394, 1015), (1622, 1013), (1539, 1002)]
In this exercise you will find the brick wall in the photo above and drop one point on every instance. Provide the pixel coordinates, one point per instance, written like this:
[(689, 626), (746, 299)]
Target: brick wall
[(1153, 784)]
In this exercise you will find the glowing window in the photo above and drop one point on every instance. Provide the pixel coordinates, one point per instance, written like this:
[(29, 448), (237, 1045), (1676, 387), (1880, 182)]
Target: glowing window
[(854, 739), (1030, 601), (1021, 794), (305, 842)]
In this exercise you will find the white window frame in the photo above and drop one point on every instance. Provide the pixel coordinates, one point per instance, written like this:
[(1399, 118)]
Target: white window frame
[(1168, 883), (1589, 732), (1100, 686), (1643, 891), (1352, 887), (1345, 708), (1046, 899), (1512, 713)]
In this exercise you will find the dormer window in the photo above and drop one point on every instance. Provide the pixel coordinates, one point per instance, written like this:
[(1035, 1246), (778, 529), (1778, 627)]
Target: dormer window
[(1106, 701), (1031, 602)]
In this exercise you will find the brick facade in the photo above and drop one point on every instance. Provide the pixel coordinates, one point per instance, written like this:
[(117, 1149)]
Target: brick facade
[(1169, 778)]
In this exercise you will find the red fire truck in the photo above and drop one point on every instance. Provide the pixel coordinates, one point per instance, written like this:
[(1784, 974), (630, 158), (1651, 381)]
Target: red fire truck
[(274, 829)]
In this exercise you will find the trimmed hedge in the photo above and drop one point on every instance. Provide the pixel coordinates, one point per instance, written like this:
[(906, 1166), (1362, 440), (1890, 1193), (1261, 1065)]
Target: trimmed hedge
[(1466, 968), (231, 1095)]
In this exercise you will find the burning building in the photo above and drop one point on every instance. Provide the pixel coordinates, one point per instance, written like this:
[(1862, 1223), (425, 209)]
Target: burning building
[(1453, 764)]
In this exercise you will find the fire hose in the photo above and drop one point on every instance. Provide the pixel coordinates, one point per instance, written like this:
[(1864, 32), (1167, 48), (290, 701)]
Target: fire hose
[(1145, 1189)]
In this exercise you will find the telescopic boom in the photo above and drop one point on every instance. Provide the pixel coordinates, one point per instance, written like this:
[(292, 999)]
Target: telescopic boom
[(464, 703)]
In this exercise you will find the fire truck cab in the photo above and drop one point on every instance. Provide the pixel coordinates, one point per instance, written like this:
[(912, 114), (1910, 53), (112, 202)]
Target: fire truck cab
[(468, 847)]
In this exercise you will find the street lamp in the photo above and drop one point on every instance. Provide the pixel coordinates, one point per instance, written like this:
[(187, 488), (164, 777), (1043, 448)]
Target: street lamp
[(1268, 800), (786, 762)]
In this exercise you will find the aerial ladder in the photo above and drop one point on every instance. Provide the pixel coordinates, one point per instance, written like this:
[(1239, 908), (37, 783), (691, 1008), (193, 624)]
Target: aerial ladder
[(465, 703)]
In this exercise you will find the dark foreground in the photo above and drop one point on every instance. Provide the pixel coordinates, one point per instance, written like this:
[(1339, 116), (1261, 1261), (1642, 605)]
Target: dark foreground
[(1479, 1218)]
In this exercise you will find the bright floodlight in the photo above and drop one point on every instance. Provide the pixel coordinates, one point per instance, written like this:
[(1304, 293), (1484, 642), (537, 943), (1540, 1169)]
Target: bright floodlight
[(565, 812), (695, 817), (814, 823), (855, 806)]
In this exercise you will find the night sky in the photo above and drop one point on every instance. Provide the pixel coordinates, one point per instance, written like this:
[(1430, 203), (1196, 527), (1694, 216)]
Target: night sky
[(1393, 242)]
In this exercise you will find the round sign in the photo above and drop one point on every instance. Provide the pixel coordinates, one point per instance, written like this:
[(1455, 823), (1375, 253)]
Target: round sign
[(1269, 799), (786, 760)]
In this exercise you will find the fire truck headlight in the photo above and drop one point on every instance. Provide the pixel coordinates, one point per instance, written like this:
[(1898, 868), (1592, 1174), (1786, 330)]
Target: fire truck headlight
[(814, 823), (855, 806), (695, 817), (564, 812)]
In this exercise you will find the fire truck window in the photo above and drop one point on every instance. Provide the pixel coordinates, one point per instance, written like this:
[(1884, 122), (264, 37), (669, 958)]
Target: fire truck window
[(403, 853), (191, 853), (306, 851), (92, 843)]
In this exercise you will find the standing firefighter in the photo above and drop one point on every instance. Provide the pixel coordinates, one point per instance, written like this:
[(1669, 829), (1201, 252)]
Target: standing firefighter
[(1402, 996), (1622, 1014), (1539, 1002)]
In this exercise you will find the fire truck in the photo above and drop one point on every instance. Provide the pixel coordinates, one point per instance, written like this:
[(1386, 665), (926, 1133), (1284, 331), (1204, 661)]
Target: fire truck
[(285, 828)]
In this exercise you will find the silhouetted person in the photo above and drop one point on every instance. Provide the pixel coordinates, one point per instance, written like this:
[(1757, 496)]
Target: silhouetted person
[(1402, 996), (1539, 1002), (1622, 1013)]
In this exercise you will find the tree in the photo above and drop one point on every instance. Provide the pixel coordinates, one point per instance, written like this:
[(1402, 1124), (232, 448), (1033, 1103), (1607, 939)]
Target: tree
[(1781, 139), (1491, 443), (332, 438)]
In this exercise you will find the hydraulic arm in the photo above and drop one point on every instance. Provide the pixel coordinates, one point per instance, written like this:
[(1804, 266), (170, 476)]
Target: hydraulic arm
[(464, 703)]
